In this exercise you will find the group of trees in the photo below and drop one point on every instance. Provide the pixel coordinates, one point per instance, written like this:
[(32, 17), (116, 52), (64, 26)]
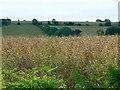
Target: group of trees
[(107, 22), (53, 31), (65, 31), (53, 22), (6, 22), (114, 30), (36, 23)]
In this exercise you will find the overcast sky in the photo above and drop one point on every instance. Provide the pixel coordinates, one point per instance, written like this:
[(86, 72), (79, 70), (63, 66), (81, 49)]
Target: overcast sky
[(70, 10)]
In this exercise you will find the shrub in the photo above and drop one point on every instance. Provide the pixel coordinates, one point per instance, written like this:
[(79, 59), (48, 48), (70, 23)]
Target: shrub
[(100, 32), (112, 30), (18, 23)]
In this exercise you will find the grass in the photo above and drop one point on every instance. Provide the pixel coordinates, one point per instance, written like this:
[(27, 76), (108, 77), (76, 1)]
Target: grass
[(21, 30)]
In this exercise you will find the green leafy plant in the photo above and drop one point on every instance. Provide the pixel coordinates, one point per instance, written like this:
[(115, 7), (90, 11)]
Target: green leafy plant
[(81, 81), (113, 77), (31, 79)]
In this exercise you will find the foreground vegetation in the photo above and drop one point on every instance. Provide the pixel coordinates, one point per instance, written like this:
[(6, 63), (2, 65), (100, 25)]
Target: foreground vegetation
[(38, 78), (88, 57)]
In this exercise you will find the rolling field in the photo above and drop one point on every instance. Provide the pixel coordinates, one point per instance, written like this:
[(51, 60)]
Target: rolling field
[(32, 59), (26, 28), (21, 30), (87, 30)]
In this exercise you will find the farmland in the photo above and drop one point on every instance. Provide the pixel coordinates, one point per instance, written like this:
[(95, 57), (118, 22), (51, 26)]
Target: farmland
[(27, 29), (33, 59), (90, 54), (21, 30)]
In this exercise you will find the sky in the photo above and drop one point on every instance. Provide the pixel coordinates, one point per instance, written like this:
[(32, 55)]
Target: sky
[(61, 10)]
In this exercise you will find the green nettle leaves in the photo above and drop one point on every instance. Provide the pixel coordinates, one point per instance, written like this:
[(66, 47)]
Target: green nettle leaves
[(31, 79), (37, 78)]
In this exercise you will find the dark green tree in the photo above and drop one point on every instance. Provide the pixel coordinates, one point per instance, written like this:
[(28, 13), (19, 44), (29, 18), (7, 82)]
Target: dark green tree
[(65, 31), (18, 23), (35, 22), (49, 23), (108, 22), (98, 20), (54, 22)]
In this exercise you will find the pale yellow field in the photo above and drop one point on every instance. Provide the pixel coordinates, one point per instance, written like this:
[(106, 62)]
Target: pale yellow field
[(91, 54)]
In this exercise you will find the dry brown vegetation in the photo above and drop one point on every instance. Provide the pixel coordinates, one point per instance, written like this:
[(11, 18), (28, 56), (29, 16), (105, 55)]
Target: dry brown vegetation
[(91, 54)]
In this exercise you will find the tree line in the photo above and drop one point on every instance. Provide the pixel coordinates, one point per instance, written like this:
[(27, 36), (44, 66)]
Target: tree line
[(66, 31), (107, 22), (53, 31)]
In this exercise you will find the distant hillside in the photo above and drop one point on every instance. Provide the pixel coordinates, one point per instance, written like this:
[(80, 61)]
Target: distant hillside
[(23, 29), (27, 29)]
